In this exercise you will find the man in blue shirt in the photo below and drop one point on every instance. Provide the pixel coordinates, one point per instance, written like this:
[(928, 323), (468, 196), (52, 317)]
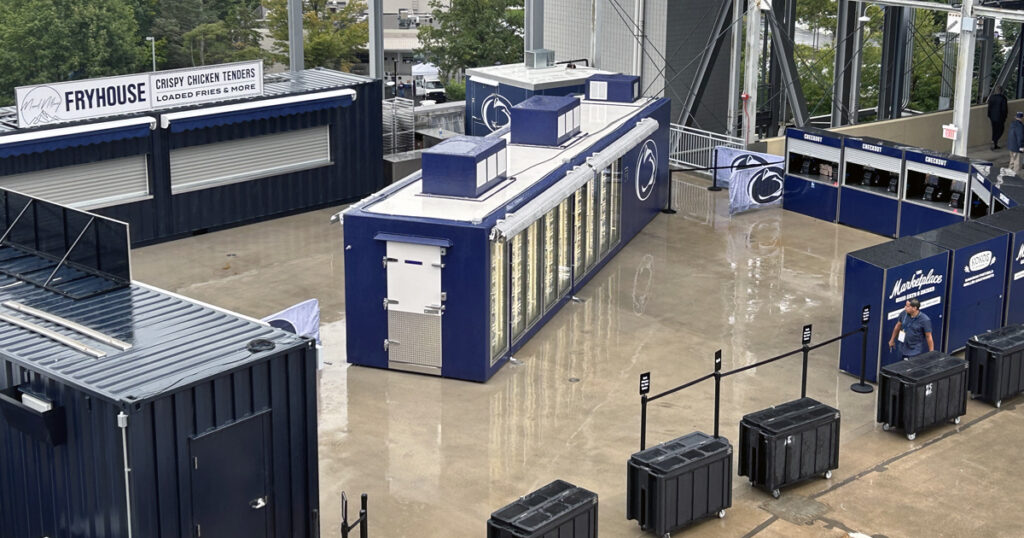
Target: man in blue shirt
[(913, 330)]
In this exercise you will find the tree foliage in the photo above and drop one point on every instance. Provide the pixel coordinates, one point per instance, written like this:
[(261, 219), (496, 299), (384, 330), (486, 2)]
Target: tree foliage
[(56, 40), (473, 34), (231, 39), (332, 39)]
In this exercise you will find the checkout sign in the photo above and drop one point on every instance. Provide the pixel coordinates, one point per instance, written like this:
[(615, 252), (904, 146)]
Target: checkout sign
[(78, 100)]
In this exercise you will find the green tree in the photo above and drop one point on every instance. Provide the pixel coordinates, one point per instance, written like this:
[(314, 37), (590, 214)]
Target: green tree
[(232, 39), (58, 40), (472, 34), (174, 19), (333, 39), (926, 69), (817, 14)]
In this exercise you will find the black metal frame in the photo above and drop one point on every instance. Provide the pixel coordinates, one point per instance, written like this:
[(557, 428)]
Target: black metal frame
[(804, 349)]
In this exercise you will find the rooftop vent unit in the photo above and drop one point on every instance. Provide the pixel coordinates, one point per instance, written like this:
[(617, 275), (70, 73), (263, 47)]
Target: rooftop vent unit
[(546, 120), (464, 166), (613, 88)]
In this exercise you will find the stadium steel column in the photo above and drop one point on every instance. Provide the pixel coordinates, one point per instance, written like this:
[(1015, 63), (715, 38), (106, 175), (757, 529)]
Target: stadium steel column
[(296, 56), (376, 23), (735, 60), (847, 24), (964, 74), (750, 72)]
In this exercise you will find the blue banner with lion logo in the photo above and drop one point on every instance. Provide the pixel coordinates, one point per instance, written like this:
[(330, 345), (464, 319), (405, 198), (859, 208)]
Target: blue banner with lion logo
[(754, 179)]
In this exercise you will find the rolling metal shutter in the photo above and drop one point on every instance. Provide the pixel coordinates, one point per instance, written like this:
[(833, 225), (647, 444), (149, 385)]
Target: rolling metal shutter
[(221, 163), (874, 160), (87, 186), (811, 149)]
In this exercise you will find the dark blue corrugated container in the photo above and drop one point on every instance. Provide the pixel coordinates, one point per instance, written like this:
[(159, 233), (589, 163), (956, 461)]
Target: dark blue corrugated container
[(129, 411), (311, 141)]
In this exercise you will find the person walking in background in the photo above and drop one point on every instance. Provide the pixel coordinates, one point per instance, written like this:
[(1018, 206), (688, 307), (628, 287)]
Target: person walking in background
[(913, 331), (1014, 141), (997, 114)]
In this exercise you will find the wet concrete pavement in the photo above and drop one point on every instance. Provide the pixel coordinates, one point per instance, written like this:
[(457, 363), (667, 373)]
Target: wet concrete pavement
[(438, 456)]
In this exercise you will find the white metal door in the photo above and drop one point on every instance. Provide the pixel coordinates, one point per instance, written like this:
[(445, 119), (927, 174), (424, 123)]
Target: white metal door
[(415, 306)]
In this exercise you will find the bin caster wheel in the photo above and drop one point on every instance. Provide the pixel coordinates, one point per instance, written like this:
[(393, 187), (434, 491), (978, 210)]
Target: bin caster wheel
[(956, 420), (776, 493), (886, 427), (911, 436), (721, 514), (828, 475), (998, 403)]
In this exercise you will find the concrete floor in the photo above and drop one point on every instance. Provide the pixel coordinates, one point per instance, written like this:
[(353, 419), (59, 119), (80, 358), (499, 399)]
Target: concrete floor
[(438, 456)]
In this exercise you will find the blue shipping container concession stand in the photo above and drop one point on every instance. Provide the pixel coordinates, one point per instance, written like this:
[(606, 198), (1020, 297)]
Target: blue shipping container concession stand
[(977, 280), (885, 277), (811, 186), (491, 92), (935, 186), (129, 411), (452, 286), (1011, 221), (312, 140), (870, 189)]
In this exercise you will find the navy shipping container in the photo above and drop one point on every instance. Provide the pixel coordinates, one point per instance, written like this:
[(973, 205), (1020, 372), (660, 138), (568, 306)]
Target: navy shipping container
[(977, 281), (885, 277), (1011, 221), (452, 286), (130, 411), (312, 140), (811, 185)]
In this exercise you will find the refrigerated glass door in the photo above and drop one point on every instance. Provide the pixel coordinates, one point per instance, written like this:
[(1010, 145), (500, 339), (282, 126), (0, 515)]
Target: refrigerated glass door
[(499, 321), (579, 232), (550, 258), (615, 202), (604, 181), (591, 223), (564, 254), (517, 300), (532, 268)]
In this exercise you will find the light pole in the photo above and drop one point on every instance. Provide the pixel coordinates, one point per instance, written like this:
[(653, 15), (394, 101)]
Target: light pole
[(152, 48)]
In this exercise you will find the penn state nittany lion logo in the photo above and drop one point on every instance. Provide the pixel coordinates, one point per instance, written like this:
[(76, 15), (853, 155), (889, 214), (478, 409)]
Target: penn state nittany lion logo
[(767, 184), (646, 170), (495, 112)]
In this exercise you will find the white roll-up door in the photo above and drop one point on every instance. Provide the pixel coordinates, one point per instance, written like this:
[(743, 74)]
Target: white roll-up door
[(87, 186), (221, 163), (811, 149)]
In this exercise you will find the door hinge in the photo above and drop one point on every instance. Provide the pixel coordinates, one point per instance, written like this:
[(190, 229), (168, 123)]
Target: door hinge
[(389, 301)]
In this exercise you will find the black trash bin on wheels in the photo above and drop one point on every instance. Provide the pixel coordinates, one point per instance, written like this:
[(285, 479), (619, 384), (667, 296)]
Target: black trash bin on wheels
[(678, 482), (996, 364), (789, 443), (555, 510), (926, 390)]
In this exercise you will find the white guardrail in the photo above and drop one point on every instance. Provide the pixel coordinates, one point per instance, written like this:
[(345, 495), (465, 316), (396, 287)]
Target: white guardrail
[(694, 148)]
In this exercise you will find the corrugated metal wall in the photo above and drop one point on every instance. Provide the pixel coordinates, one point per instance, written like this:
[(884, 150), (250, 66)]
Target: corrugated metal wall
[(357, 171), (160, 431), (77, 489)]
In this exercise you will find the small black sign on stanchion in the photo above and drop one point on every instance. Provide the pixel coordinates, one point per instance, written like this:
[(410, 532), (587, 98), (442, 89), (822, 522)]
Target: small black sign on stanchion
[(806, 335), (865, 318), (805, 348), (645, 383)]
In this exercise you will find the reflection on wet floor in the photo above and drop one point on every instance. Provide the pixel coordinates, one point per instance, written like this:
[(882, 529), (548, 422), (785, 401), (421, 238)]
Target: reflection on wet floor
[(437, 456)]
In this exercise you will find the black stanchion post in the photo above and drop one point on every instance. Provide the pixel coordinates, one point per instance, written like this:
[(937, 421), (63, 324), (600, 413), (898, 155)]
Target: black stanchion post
[(364, 519), (714, 173), (805, 340), (645, 387), (865, 318), (718, 386), (668, 210), (344, 515)]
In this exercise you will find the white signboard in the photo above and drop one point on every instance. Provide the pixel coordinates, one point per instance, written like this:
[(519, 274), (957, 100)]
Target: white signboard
[(82, 99)]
